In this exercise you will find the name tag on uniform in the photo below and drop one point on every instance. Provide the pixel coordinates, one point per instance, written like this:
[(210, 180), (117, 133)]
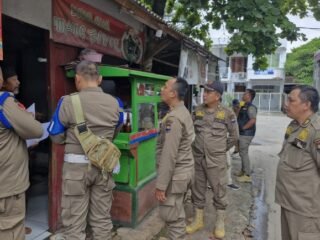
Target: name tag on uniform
[(299, 143)]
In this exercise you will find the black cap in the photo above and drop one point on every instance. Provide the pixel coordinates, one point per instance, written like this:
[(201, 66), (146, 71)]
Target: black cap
[(214, 86), (235, 102), (8, 72)]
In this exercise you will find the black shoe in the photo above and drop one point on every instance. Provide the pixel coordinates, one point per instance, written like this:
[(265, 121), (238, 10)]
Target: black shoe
[(233, 186)]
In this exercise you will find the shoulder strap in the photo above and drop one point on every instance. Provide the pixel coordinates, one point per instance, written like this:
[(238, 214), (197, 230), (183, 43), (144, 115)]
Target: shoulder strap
[(3, 119), (76, 103)]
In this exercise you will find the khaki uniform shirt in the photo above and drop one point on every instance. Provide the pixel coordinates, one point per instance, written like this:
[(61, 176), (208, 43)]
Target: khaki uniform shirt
[(298, 174), (101, 112), (216, 132), (174, 154), (14, 171), (252, 112)]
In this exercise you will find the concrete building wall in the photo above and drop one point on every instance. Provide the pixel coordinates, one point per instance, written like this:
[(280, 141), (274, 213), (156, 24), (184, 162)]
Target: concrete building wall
[(34, 12), (114, 10), (39, 12)]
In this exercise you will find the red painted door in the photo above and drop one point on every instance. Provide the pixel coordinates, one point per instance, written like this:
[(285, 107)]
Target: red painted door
[(59, 86)]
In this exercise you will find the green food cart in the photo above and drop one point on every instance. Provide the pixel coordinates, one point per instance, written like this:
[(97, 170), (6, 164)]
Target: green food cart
[(140, 93)]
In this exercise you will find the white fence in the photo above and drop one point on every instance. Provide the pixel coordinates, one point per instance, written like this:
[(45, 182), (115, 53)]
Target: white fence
[(265, 102)]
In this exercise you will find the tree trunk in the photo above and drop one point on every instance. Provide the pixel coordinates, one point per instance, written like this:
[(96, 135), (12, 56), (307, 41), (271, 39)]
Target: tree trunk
[(159, 6)]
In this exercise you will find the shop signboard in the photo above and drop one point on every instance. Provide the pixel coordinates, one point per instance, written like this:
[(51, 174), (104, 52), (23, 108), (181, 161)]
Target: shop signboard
[(79, 24), (269, 71)]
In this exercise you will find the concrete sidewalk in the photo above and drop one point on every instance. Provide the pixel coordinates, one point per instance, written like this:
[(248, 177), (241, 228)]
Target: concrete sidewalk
[(238, 224)]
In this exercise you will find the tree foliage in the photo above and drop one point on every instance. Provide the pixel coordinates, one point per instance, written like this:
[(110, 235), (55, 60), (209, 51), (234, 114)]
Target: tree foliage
[(255, 25), (299, 63)]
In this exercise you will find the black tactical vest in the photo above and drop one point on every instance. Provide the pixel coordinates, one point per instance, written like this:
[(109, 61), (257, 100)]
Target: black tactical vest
[(243, 118)]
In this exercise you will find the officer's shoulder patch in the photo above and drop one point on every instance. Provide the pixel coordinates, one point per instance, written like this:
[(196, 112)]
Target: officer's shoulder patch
[(221, 115), (303, 134), (199, 113), (168, 124)]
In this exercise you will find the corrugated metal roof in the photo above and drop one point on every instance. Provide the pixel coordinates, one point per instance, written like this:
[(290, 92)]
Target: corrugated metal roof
[(159, 18), (188, 42)]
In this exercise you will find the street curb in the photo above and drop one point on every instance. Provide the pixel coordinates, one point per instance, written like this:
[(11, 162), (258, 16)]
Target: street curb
[(256, 229)]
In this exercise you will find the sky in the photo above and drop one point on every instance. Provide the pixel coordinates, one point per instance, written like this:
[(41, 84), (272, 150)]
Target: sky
[(308, 22)]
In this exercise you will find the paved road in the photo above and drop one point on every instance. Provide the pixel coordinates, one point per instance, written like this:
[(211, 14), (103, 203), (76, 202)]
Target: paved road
[(266, 146)]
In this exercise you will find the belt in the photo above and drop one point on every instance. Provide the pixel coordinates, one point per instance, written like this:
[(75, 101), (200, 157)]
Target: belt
[(75, 158)]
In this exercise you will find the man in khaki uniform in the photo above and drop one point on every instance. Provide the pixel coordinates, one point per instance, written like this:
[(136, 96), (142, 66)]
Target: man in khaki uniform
[(86, 193), (11, 82), (16, 125), (216, 132), (298, 174), (247, 117), (174, 158)]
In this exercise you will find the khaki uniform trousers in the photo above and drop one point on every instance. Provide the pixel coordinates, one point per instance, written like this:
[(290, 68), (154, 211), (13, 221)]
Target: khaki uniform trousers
[(297, 227), (172, 213), (86, 196), (12, 214), (217, 179), (244, 143)]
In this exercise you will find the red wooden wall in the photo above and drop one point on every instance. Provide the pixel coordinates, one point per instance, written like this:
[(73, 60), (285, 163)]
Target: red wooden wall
[(59, 85)]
